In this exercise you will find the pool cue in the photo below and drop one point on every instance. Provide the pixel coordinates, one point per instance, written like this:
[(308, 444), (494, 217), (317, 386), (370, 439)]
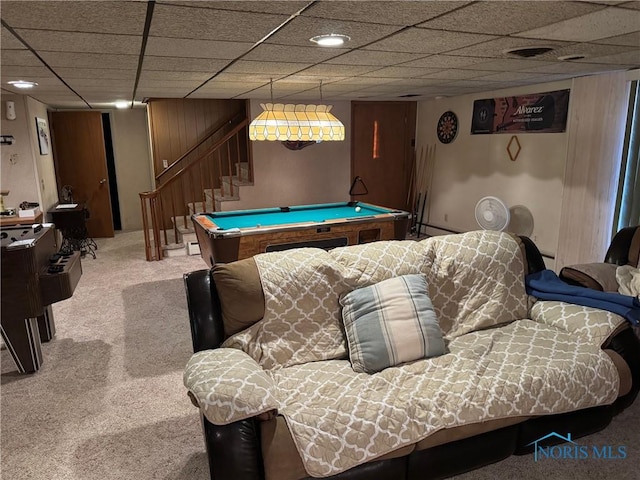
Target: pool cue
[(416, 189), (411, 180), (431, 155)]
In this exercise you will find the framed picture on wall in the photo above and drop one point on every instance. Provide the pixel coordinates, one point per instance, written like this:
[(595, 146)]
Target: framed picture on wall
[(43, 135)]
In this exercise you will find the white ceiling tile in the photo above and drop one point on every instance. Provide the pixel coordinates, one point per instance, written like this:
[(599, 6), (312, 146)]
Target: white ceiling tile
[(9, 42), (162, 92), (508, 76), (246, 77), (275, 68), (100, 82), (301, 29), (211, 24), (89, 60), (601, 24), (179, 47), (26, 72), (373, 58), (177, 64), (390, 13), (507, 64), (504, 18), (169, 84), (77, 16), (327, 70), (164, 75), (634, 4), (22, 58), (102, 73), (443, 61), (629, 39), (420, 40), (400, 72), (457, 74), (589, 50), (626, 59), (81, 42), (362, 81), (570, 67), (496, 48), (284, 7), (275, 53), (301, 78)]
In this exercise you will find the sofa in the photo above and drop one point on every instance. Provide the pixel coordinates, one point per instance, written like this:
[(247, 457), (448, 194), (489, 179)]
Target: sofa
[(289, 385)]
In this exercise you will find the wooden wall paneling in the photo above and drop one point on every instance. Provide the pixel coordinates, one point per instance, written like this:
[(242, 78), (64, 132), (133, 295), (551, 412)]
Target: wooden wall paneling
[(596, 128)]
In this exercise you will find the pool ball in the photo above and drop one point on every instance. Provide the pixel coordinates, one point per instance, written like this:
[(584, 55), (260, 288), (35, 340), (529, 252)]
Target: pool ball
[(357, 209)]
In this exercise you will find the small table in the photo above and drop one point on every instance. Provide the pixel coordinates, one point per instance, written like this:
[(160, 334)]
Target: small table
[(17, 220), (71, 220), (228, 236)]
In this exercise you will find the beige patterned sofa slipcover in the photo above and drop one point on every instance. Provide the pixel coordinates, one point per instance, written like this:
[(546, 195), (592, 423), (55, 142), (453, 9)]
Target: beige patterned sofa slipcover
[(508, 358)]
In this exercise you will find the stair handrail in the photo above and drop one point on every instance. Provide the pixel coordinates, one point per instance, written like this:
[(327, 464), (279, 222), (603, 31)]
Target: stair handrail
[(154, 208), (215, 130), (210, 150)]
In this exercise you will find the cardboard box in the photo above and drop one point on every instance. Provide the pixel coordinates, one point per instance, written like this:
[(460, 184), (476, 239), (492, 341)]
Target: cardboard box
[(29, 212)]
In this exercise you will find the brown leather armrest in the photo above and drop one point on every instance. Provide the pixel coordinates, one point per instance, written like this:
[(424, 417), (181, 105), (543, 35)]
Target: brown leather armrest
[(598, 276)]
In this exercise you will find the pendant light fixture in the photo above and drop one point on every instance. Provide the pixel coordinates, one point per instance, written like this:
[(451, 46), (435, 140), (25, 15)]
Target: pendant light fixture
[(289, 122)]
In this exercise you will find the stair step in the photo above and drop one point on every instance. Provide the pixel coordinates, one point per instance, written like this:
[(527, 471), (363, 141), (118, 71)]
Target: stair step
[(198, 207), (242, 170), (219, 197), (174, 250)]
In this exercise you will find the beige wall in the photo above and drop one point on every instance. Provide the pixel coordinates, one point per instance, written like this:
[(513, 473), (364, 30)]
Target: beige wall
[(130, 134), (18, 167), (473, 166), (316, 174), (45, 167), (596, 137)]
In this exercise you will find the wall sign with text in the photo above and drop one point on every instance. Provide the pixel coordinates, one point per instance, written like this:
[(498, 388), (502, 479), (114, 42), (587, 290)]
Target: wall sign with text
[(533, 113)]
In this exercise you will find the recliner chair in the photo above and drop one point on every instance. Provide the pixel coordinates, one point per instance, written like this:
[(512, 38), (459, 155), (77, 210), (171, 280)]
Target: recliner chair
[(623, 250)]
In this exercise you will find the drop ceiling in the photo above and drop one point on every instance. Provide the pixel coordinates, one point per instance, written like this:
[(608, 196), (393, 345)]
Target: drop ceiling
[(91, 53)]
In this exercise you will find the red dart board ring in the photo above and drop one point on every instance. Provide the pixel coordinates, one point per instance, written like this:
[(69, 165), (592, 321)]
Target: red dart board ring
[(447, 127)]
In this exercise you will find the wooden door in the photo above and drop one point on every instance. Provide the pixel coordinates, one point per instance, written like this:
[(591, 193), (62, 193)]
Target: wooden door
[(383, 138), (80, 157)]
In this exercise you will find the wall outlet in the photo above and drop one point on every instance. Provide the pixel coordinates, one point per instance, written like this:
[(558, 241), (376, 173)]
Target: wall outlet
[(446, 217), (165, 163), (13, 158), (42, 183)]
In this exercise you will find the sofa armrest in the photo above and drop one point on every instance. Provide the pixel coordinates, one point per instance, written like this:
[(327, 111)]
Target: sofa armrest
[(594, 325), (597, 276), (228, 385), (205, 316)]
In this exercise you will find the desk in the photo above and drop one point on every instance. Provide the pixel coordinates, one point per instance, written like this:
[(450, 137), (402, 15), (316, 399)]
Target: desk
[(228, 236), (72, 223), (16, 220)]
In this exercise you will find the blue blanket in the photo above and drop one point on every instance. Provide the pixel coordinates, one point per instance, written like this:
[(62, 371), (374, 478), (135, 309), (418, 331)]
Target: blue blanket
[(546, 285)]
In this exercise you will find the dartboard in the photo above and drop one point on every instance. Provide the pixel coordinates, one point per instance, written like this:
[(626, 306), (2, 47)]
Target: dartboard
[(447, 127)]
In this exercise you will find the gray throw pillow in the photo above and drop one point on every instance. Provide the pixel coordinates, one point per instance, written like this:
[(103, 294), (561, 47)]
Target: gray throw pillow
[(390, 323)]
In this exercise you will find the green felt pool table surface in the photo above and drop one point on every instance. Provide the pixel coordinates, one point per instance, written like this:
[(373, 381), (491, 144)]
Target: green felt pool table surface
[(292, 215)]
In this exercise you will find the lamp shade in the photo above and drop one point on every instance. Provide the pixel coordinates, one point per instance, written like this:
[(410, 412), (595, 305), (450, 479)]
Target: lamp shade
[(279, 122)]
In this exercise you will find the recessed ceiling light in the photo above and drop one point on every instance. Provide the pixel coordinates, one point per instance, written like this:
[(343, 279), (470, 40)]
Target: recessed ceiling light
[(122, 104), (22, 84), (331, 40)]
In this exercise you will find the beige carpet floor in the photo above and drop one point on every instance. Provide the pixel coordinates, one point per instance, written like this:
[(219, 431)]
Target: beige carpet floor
[(109, 403)]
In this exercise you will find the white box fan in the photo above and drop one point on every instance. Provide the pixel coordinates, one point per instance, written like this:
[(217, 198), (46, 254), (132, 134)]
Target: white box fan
[(494, 214)]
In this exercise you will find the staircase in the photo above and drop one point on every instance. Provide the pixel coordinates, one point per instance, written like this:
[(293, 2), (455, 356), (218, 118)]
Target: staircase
[(214, 202), (209, 177)]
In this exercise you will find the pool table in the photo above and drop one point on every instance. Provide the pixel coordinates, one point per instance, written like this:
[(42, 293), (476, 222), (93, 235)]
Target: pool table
[(229, 236)]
